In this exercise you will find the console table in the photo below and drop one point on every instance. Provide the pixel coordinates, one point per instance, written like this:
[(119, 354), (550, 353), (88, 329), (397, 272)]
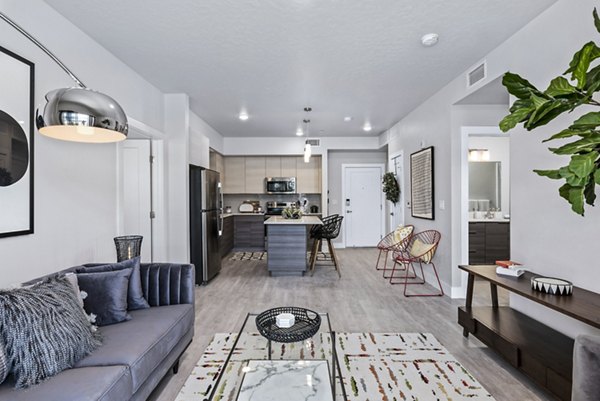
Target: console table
[(542, 353)]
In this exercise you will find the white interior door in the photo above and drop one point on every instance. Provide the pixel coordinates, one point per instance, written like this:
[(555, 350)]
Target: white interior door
[(363, 205), (136, 192)]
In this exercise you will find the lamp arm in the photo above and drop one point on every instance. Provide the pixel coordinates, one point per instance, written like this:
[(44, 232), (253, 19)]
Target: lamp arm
[(44, 49)]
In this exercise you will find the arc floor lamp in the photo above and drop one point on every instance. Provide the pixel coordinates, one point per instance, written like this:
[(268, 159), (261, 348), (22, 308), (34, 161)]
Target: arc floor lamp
[(77, 114)]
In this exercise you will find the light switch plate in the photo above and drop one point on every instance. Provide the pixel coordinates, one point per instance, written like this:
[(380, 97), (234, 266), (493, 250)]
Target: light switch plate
[(442, 205)]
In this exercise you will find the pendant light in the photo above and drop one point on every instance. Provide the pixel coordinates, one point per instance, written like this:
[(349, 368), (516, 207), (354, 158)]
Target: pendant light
[(77, 114), (307, 147)]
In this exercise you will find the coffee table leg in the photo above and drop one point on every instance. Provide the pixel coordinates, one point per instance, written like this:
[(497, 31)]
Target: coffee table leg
[(269, 349), (333, 362)]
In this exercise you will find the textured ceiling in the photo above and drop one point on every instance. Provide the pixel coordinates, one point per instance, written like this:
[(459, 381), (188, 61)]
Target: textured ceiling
[(356, 58)]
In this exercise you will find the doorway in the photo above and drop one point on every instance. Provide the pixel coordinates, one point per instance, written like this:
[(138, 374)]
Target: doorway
[(362, 204), (396, 166)]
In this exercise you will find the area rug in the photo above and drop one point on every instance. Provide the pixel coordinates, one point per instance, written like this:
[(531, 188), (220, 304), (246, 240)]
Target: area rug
[(321, 256), (375, 366)]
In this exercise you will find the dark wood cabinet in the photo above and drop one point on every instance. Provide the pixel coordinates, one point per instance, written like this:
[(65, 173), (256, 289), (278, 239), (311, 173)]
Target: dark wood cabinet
[(488, 242), (249, 232), (226, 240)]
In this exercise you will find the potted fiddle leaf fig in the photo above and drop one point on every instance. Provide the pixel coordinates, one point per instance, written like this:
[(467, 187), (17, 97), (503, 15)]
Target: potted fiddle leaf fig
[(391, 188), (575, 88)]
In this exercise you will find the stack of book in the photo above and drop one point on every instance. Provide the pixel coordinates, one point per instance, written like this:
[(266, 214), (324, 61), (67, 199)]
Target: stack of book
[(509, 268)]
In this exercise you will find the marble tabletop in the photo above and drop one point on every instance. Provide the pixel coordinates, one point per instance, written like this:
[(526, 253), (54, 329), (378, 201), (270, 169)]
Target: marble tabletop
[(304, 220), (289, 380)]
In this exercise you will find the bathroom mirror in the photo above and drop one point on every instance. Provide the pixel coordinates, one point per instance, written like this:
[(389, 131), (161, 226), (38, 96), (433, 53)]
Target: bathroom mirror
[(484, 186)]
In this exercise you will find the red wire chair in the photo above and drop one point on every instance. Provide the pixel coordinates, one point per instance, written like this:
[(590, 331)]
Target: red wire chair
[(406, 255), (387, 245)]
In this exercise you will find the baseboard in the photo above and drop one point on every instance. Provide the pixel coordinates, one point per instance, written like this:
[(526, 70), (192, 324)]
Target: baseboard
[(459, 292), (338, 245)]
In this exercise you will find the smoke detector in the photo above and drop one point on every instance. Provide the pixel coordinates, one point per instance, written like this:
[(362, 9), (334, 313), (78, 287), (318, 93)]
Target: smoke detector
[(430, 39)]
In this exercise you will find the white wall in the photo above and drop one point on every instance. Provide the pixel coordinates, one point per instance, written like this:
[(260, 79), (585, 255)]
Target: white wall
[(336, 159), (200, 129), (545, 234), (499, 148), (75, 184)]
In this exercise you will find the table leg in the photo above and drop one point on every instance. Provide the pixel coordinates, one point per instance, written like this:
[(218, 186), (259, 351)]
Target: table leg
[(333, 362), (269, 348), (494, 291), (469, 300)]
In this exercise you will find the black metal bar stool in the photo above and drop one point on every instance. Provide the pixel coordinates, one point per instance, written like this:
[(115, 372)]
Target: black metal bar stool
[(328, 231)]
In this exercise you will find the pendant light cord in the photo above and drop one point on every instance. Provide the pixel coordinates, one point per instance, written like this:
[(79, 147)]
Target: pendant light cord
[(44, 49)]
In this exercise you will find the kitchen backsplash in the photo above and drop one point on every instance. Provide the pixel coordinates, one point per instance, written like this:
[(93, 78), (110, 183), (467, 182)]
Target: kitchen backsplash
[(236, 200)]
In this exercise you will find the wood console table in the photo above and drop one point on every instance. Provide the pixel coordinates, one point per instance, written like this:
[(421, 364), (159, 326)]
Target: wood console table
[(542, 353)]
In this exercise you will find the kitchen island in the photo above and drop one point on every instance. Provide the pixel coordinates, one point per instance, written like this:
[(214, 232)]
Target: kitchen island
[(286, 244)]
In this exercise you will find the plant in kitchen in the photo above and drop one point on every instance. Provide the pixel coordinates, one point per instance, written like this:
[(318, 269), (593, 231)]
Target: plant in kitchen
[(574, 88), (391, 188), (291, 213)]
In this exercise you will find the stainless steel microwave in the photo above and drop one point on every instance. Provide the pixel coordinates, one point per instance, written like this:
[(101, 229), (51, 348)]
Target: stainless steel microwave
[(280, 185)]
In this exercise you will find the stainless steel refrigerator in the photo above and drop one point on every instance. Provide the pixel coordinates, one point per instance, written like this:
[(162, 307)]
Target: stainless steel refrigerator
[(205, 222)]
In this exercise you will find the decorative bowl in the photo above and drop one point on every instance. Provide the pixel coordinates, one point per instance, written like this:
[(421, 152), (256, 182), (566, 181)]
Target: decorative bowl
[(551, 285)]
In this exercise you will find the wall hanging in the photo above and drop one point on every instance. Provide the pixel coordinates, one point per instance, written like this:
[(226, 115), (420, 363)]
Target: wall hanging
[(16, 144), (421, 184)]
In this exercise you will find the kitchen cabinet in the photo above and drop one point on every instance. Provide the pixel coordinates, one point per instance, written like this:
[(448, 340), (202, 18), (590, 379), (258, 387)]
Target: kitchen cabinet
[(488, 242), (226, 239), (273, 167), (249, 232), (308, 175), (288, 166), (234, 179), (216, 163), (255, 175)]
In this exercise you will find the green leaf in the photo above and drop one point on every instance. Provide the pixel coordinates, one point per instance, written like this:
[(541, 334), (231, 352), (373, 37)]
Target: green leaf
[(560, 87), (568, 133), (582, 145), (552, 174), (589, 192), (597, 177), (596, 19), (581, 62), (587, 121), (570, 177), (592, 79), (521, 104), (511, 120), (547, 112), (583, 165), (573, 195), (518, 86)]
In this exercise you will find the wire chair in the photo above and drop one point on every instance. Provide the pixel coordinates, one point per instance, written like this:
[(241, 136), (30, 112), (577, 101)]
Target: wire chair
[(387, 245), (406, 255)]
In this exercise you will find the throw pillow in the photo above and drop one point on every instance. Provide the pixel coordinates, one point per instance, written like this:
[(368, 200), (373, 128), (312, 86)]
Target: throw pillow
[(135, 297), (107, 295), (4, 369), (72, 277), (402, 233), (422, 250), (44, 330)]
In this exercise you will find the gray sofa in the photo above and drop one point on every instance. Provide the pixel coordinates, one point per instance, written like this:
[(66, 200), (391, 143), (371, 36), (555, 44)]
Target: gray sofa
[(135, 354)]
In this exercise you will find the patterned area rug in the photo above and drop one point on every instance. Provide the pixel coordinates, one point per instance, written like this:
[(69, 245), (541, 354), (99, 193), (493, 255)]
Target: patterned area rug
[(263, 256), (375, 366)]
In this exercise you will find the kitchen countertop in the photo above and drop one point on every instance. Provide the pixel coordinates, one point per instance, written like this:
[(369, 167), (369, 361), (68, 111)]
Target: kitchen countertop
[(225, 215), (304, 220), (489, 220)]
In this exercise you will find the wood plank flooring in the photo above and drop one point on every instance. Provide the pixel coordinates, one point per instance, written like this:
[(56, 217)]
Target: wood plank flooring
[(361, 301)]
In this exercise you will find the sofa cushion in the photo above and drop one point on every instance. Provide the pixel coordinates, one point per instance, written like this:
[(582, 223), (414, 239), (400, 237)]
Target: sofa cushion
[(44, 330), (144, 341), (135, 295), (101, 383), (106, 295)]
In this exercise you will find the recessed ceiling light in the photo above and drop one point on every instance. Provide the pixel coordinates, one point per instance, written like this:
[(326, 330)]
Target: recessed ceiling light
[(299, 132), (367, 127), (430, 39), (243, 116), (347, 118)]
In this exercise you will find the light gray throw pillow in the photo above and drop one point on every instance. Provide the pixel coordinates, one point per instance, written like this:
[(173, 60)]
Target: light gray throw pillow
[(44, 330)]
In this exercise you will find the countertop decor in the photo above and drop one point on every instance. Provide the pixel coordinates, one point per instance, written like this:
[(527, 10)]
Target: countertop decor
[(551, 285), (291, 213)]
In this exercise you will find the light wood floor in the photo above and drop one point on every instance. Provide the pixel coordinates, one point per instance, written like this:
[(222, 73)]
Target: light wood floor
[(361, 301)]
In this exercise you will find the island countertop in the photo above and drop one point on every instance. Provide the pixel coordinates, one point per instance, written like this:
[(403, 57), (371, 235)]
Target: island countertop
[(304, 220)]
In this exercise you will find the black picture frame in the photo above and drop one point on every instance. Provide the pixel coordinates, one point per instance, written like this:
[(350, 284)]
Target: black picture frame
[(24, 192), (422, 188)]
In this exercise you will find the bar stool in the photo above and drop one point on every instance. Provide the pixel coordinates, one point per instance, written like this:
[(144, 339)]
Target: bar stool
[(328, 231)]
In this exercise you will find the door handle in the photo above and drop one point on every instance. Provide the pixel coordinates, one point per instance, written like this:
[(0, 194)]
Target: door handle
[(348, 211)]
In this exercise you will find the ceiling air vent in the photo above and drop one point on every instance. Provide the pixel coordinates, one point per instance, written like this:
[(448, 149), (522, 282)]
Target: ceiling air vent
[(314, 142), (476, 74)]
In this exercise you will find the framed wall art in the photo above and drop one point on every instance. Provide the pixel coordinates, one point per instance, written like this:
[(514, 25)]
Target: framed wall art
[(16, 144), (421, 184)]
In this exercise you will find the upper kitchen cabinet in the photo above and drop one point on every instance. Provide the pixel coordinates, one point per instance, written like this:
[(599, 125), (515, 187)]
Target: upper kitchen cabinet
[(255, 175), (288, 166), (273, 167), (217, 162), (308, 175), (234, 179)]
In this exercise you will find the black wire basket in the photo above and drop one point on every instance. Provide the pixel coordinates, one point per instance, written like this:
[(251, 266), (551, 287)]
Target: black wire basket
[(128, 247), (306, 325)]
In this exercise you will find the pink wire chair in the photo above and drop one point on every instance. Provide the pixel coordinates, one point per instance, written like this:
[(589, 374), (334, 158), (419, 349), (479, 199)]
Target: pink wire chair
[(386, 245), (403, 255)]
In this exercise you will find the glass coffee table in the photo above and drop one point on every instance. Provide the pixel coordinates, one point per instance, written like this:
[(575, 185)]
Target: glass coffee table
[(256, 368)]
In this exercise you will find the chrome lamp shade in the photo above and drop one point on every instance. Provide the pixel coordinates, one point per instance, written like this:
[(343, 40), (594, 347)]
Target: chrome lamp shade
[(82, 115)]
